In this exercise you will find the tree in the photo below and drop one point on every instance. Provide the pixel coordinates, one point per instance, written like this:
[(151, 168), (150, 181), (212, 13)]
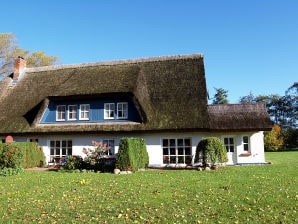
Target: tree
[(283, 110), (9, 51), (248, 99), (273, 139), (221, 96)]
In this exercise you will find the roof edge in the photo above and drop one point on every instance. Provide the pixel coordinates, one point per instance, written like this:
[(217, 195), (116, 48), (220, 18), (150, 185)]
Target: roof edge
[(115, 62)]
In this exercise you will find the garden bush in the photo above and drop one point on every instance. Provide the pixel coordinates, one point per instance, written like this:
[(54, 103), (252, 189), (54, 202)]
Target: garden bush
[(211, 151), (10, 160), (32, 154), (11, 156), (73, 163), (132, 154)]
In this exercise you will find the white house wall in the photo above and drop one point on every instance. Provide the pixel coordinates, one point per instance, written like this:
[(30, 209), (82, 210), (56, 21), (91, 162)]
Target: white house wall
[(154, 144)]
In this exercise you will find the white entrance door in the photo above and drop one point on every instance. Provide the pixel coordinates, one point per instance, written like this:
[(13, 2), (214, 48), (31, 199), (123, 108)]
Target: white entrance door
[(231, 150)]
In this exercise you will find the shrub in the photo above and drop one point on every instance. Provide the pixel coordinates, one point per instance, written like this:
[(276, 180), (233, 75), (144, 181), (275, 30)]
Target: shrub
[(132, 154), (211, 151), (97, 158), (33, 155), (73, 163), (11, 171), (11, 156)]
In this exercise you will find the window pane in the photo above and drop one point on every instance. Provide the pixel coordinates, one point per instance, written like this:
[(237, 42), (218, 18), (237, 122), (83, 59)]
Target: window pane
[(231, 148), (226, 141), (172, 151), (63, 143), (165, 142), (58, 144), (231, 141), (52, 152), (187, 142), (187, 151), (69, 152), (166, 159), (180, 151), (180, 142), (165, 151), (187, 159), (63, 151), (52, 143), (180, 159), (245, 139), (173, 159), (172, 142), (57, 152), (245, 147)]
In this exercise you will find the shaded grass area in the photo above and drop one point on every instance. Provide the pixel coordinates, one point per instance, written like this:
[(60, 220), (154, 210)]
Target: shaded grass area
[(241, 194)]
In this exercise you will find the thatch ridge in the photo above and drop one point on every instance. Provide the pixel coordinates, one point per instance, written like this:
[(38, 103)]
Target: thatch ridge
[(113, 62)]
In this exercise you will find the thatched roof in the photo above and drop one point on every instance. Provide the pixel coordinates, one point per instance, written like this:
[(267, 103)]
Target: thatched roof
[(169, 93), (239, 117)]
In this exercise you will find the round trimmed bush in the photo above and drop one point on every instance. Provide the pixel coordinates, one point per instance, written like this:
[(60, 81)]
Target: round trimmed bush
[(211, 151)]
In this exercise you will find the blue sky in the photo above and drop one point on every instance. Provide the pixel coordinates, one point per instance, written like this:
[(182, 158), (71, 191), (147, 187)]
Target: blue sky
[(248, 45)]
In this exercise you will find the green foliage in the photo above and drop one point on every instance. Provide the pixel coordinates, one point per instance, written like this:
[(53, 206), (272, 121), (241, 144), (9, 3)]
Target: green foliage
[(290, 137), (273, 140), (73, 163), (33, 155), (240, 194), (211, 150), (11, 156), (132, 154), (9, 171), (221, 96)]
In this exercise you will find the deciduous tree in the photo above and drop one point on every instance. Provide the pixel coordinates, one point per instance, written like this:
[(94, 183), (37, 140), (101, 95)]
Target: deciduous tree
[(9, 51)]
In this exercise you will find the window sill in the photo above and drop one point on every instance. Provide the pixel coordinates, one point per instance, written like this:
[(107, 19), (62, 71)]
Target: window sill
[(245, 154)]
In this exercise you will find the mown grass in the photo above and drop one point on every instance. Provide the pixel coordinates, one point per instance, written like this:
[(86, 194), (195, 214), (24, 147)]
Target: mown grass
[(241, 194)]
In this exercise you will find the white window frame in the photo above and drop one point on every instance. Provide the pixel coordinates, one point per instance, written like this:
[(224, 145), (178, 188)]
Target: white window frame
[(176, 153), (122, 107), (109, 111), (84, 110), (60, 112), (57, 152), (228, 145), (246, 143), (110, 143), (69, 112)]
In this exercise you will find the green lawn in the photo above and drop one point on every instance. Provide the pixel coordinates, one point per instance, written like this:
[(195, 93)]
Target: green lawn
[(241, 194)]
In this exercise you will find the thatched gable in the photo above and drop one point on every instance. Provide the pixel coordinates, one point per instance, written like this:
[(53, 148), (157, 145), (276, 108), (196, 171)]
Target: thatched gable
[(170, 93), (239, 117)]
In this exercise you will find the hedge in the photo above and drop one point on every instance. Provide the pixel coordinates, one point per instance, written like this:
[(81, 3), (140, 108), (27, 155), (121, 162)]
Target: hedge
[(132, 154), (33, 155)]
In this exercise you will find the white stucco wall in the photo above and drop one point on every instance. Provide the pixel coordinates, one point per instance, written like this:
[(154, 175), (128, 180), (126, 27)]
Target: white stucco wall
[(154, 144)]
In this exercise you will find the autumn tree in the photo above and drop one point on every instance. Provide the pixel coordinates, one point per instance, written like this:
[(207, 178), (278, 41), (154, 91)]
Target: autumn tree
[(273, 139), (9, 51)]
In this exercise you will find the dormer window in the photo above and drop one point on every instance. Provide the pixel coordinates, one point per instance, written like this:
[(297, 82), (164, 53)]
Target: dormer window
[(72, 112), (60, 113), (84, 111), (122, 110), (109, 109)]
